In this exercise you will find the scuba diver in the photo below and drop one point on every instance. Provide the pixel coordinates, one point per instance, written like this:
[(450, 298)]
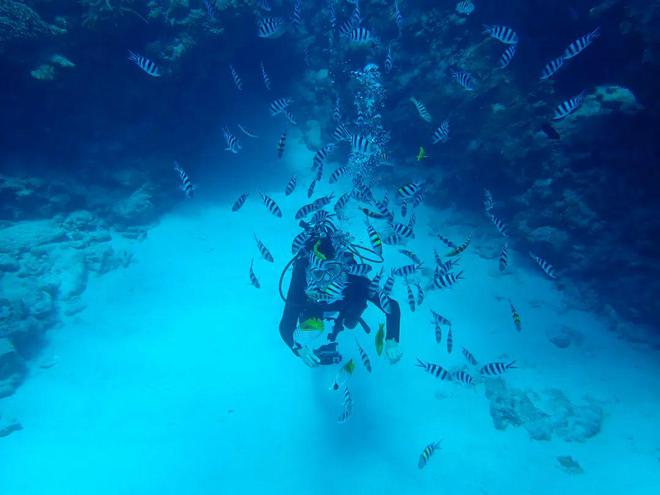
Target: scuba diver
[(328, 289)]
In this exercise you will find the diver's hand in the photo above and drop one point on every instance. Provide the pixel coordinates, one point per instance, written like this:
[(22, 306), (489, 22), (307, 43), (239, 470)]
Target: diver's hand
[(308, 357), (393, 351)]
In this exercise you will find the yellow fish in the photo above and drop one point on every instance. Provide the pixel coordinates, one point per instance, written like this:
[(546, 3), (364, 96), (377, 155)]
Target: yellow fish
[(312, 324), (421, 154), (380, 339)]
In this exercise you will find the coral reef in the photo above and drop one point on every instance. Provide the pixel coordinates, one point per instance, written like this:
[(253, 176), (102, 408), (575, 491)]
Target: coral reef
[(545, 414), (19, 22)]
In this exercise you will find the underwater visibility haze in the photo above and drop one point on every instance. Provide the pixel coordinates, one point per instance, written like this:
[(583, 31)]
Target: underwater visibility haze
[(329, 246)]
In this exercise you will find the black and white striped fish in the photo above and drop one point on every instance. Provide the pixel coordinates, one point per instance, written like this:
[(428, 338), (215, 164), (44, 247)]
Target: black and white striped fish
[(545, 266), (360, 36), (499, 225), (580, 44), (299, 242), (405, 270), (409, 254), (271, 205), (427, 453), (398, 18), (265, 77), (360, 144), (323, 201), (270, 27), (392, 239), (375, 240), (418, 198), (348, 407), (434, 369), (336, 113), (341, 133), (337, 174), (290, 117), (497, 368), (281, 145), (450, 340), (516, 317), (404, 208), (469, 357), (464, 79), (247, 131), (447, 280), (358, 269), (237, 80), (332, 15), (364, 357), (296, 18), (489, 204), (438, 319), (420, 295), (403, 231), (501, 33), (321, 155), (551, 67), (441, 134), (310, 189), (186, 185), (462, 377), (410, 190), (504, 257), (238, 204), (279, 105), (374, 284), (305, 210), (389, 284), (342, 202), (411, 298), (507, 56), (389, 61), (438, 334), (253, 278), (465, 7), (233, 144), (384, 301), (263, 250), (144, 63), (568, 107), (211, 9), (290, 186), (421, 109)]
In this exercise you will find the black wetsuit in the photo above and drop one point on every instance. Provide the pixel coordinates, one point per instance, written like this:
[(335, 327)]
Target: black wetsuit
[(349, 309)]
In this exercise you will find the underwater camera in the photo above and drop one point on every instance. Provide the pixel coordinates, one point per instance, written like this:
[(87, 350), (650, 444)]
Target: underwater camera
[(328, 353)]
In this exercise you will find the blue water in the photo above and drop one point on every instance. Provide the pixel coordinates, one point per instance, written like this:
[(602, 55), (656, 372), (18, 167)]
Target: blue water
[(137, 357)]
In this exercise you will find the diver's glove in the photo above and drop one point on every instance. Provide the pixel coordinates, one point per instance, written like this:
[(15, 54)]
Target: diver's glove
[(393, 351), (307, 355)]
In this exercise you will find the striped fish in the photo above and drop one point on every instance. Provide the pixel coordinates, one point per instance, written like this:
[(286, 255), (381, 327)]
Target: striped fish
[(409, 254), (360, 144), (459, 249), (323, 201), (551, 67), (237, 80), (298, 242), (333, 292), (438, 334), (374, 284), (507, 56), (337, 174), (263, 250), (418, 198), (310, 189), (348, 407), (374, 239), (398, 18), (403, 231), (516, 317), (233, 144), (392, 239), (469, 357), (501, 33), (410, 190), (462, 377), (504, 257), (389, 284), (332, 15), (441, 134), (489, 204), (305, 210), (186, 185), (384, 301), (358, 269), (420, 295), (450, 340), (281, 145), (336, 113), (342, 202), (270, 27), (247, 131), (404, 208), (447, 280), (389, 63), (364, 357), (297, 15), (421, 109), (321, 155), (580, 44), (238, 204), (434, 369), (264, 76), (411, 298), (427, 453), (290, 186), (211, 9), (568, 107), (341, 133), (545, 266), (405, 271), (360, 36), (144, 63), (464, 79), (495, 369), (465, 7), (279, 105), (438, 319), (290, 117), (253, 278), (499, 225), (271, 205)]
